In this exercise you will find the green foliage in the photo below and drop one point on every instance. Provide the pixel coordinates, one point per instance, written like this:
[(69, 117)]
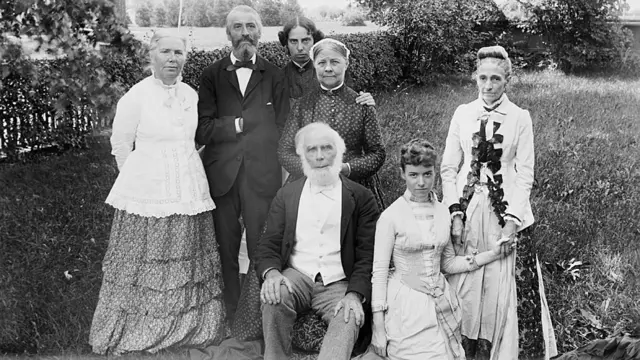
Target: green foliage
[(198, 13), (145, 14), (433, 36), (173, 9), (269, 11), (290, 10), (222, 9), (372, 65), (354, 18), (71, 93), (326, 13), (581, 34), (159, 16)]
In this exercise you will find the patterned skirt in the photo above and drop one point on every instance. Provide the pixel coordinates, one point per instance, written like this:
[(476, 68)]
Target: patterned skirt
[(162, 285)]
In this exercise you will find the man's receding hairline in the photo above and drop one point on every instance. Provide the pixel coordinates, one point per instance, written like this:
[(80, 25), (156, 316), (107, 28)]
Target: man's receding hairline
[(323, 132), (255, 16)]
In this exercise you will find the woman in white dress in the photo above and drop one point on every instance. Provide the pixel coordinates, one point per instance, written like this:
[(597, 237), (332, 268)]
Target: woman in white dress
[(162, 278), (416, 314), (488, 198)]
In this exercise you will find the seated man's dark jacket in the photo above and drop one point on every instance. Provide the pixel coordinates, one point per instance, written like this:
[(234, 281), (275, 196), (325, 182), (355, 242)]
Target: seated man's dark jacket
[(357, 227)]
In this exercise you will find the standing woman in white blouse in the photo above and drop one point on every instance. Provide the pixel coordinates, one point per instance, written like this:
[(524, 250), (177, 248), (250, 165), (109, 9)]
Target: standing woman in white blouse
[(488, 198), (162, 277)]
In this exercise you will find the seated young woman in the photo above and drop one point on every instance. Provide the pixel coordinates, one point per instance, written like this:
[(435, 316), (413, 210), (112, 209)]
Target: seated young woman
[(416, 314)]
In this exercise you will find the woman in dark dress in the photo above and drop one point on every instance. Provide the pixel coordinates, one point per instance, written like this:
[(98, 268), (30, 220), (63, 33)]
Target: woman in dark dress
[(333, 102), (297, 37)]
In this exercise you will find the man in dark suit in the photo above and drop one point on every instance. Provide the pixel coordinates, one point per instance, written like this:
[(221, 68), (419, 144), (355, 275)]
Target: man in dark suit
[(317, 250), (243, 104)]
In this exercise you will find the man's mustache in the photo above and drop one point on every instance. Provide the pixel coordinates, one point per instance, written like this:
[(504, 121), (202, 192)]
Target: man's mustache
[(247, 38)]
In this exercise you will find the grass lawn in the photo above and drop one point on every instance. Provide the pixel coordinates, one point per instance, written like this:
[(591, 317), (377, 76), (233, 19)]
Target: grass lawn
[(212, 37), (55, 226)]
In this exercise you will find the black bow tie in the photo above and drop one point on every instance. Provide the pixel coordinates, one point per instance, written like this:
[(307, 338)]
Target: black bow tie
[(242, 64)]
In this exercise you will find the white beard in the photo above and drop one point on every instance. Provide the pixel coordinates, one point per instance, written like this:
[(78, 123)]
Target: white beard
[(323, 176)]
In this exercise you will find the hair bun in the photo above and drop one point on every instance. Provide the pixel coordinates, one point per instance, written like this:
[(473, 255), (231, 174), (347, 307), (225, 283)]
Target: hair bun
[(496, 51)]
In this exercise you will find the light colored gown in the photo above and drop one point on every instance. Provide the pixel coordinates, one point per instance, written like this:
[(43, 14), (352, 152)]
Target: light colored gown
[(488, 296), (423, 315)]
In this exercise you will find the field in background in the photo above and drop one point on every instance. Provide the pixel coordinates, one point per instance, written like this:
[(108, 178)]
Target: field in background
[(212, 37), (55, 224)]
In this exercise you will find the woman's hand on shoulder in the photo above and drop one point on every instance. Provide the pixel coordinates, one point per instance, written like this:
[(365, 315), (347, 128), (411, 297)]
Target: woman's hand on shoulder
[(365, 98)]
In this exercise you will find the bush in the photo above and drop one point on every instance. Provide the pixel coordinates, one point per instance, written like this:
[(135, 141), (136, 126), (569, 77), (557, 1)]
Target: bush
[(434, 37), (582, 35), (30, 117), (373, 65), (353, 18), (144, 14), (58, 101), (269, 11), (290, 9)]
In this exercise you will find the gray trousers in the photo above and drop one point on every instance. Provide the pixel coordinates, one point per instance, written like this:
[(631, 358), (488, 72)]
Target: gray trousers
[(278, 319)]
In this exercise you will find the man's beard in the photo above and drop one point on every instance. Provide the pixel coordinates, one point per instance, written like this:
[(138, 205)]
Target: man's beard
[(323, 176), (245, 47)]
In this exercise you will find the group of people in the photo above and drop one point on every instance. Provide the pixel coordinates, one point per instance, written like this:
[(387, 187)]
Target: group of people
[(420, 279)]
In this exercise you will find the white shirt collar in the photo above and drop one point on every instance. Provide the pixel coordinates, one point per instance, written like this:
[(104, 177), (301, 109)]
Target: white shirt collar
[(498, 103), (330, 191), (234, 59), (163, 85), (301, 66), (334, 89)]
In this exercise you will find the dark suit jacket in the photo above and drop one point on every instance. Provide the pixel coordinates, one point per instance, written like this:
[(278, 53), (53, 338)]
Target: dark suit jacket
[(359, 215), (264, 109)]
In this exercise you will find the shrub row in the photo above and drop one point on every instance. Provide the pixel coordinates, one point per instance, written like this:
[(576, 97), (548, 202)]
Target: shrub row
[(29, 119), (373, 65)]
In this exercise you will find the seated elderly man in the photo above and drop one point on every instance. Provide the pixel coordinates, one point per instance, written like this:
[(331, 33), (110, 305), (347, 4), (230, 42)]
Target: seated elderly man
[(317, 250)]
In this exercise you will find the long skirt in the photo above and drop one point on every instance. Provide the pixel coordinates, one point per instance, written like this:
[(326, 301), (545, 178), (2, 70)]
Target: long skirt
[(415, 329), (162, 285), (491, 302)]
